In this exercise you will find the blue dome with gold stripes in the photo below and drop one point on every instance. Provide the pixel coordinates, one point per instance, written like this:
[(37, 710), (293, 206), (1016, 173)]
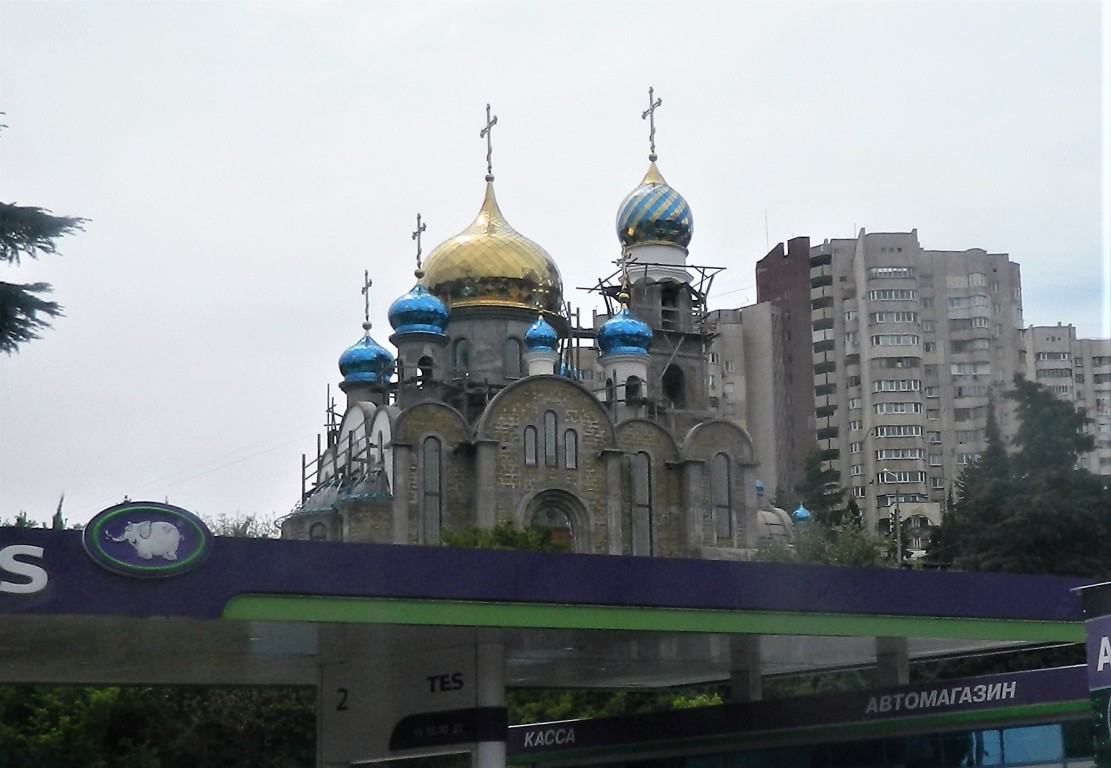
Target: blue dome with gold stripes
[(654, 213)]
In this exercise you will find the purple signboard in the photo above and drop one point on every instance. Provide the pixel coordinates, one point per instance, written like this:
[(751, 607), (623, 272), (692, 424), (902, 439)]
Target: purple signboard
[(858, 707), (50, 572)]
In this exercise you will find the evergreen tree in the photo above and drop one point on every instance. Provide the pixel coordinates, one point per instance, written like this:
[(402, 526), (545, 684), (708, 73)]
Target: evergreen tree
[(820, 490), (28, 232), (1030, 511)]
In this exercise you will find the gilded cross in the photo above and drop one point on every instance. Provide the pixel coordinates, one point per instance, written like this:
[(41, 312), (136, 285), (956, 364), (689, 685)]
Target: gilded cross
[(650, 115), (416, 236), (367, 282), (485, 133)]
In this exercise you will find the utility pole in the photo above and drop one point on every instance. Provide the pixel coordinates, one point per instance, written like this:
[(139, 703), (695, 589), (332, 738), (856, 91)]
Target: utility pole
[(898, 519)]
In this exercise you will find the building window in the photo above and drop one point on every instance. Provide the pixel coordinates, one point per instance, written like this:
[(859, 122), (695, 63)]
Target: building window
[(431, 490), (642, 504), (674, 386), (462, 357), (512, 361), (721, 492), (424, 372), (318, 532), (632, 390), (551, 448), (571, 449), (530, 446), (611, 393)]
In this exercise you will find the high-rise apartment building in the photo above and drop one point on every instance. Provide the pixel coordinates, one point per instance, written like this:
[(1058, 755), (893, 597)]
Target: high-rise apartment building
[(902, 349), (1079, 372)]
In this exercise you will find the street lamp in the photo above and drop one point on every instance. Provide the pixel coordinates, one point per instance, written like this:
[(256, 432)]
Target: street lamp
[(898, 520)]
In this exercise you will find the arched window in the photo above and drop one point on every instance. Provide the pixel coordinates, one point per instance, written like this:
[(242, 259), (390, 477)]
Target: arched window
[(674, 386), (462, 357), (530, 446), (563, 514), (512, 359), (400, 368), (558, 523), (431, 490), (381, 457), (720, 494), (551, 447), (632, 391), (318, 532), (571, 449), (424, 371), (641, 467), (611, 393)]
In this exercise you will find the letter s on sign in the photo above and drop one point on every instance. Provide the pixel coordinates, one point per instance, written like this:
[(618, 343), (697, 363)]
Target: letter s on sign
[(35, 575)]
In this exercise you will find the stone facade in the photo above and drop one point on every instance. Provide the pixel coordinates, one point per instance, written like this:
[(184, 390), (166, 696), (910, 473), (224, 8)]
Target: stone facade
[(496, 410)]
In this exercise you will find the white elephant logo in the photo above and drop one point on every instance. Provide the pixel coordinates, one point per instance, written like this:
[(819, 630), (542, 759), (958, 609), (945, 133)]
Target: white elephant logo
[(151, 539)]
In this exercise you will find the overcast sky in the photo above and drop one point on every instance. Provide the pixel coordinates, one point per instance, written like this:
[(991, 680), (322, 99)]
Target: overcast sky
[(241, 164)]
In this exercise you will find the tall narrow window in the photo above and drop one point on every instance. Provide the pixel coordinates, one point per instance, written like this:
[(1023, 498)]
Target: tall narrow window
[(720, 492), (669, 306), (674, 386), (424, 371), (551, 449), (431, 487), (571, 449), (632, 391), (530, 446), (512, 359), (642, 504), (462, 356), (611, 393)]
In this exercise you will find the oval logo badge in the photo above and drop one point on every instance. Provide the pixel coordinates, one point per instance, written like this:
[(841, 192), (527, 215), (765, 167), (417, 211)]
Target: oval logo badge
[(147, 539)]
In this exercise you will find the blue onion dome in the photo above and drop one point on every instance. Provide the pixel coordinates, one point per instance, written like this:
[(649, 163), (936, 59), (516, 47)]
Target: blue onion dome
[(541, 336), (490, 264), (418, 311), (801, 515), (654, 213), (623, 334), (366, 362)]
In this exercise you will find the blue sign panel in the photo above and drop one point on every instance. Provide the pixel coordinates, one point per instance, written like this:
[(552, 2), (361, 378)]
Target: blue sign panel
[(147, 539)]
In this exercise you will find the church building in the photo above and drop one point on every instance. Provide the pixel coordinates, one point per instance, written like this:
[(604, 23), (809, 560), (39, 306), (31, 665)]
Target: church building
[(497, 407)]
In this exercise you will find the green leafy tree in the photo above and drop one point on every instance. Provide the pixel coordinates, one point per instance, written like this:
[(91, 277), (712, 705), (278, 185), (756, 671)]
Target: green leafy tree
[(28, 232), (817, 544), (504, 535), (1030, 511), (44, 726)]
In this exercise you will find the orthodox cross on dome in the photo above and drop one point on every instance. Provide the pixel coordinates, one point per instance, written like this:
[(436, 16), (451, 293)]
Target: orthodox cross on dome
[(650, 115), (485, 133), (367, 282), (416, 236), (623, 265)]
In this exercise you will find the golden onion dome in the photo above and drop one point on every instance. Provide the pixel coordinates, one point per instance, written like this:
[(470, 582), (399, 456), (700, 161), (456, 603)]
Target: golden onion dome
[(490, 264)]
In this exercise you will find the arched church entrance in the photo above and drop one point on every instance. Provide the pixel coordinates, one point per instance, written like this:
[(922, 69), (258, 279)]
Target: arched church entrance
[(563, 514)]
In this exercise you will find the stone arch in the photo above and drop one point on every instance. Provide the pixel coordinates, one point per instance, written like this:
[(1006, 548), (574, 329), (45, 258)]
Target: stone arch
[(542, 385), (560, 509)]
